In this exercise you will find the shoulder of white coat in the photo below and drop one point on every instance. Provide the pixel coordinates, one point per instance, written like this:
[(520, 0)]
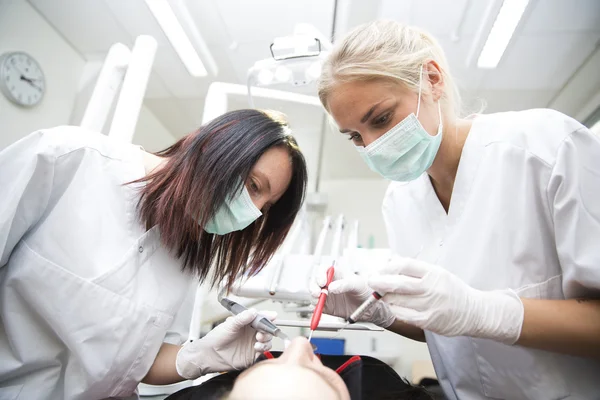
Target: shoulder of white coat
[(540, 132), (63, 140), (397, 191)]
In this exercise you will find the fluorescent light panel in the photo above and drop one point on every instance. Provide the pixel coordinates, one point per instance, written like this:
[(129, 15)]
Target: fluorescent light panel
[(503, 29), (168, 22)]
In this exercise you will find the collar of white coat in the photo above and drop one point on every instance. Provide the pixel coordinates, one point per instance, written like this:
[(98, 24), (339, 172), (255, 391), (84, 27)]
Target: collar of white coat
[(467, 171)]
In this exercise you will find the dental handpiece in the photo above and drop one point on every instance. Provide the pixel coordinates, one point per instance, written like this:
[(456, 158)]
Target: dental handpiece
[(260, 323), (364, 307)]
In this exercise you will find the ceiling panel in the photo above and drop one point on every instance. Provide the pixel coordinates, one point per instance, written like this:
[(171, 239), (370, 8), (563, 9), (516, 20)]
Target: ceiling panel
[(536, 62), (88, 25), (511, 100), (209, 21), (259, 20), (443, 17), (439, 17), (135, 17), (563, 16), (467, 78)]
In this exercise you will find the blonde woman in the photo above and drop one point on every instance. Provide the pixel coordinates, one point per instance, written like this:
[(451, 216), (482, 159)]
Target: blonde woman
[(496, 219)]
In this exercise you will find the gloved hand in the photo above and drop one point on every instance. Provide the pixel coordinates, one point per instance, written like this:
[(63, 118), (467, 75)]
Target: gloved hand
[(234, 344), (346, 293), (434, 299)]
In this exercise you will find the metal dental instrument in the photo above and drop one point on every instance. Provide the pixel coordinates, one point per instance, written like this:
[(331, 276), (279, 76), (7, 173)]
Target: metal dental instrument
[(364, 307), (260, 323)]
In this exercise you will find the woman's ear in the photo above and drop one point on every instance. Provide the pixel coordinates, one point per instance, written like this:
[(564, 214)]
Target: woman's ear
[(434, 75)]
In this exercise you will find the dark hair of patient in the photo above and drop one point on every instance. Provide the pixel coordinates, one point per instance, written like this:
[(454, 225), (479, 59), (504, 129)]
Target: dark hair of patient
[(202, 170)]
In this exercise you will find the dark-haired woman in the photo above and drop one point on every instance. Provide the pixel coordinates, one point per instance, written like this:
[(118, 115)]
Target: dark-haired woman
[(101, 241)]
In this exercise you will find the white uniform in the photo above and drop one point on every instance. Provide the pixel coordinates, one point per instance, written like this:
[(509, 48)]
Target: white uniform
[(524, 214), (86, 293)]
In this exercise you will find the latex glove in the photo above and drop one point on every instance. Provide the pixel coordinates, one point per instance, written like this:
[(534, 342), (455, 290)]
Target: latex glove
[(434, 299), (346, 293), (234, 344)]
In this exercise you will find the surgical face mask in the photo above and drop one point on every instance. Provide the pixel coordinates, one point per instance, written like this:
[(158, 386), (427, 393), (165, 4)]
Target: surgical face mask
[(406, 151), (235, 214)]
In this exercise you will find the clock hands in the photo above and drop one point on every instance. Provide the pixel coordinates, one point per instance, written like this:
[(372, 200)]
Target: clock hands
[(30, 81)]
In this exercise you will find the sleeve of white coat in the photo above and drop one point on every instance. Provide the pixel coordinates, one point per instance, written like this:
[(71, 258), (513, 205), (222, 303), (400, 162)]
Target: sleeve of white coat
[(574, 196), (26, 173)]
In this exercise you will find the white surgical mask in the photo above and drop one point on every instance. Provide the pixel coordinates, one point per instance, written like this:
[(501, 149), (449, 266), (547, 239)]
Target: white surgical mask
[(406, 151), (235, 214)]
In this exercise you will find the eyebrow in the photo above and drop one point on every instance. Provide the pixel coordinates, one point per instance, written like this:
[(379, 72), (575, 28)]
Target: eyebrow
[(255, 366), (366, 116)]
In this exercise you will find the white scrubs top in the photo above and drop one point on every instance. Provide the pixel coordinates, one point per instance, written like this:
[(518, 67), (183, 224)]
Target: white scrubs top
[(525, 215), (87, 295)]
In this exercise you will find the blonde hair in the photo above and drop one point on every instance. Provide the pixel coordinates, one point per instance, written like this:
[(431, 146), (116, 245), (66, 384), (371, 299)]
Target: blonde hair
[(386, 50)]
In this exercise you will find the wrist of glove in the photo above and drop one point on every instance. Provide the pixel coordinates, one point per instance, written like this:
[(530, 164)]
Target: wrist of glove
[(498, 316), (434, 299), (232, 345), (346, 294)]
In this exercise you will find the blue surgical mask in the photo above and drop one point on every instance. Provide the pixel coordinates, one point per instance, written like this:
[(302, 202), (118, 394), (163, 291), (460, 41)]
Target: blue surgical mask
[(235, 214), (406, 151)]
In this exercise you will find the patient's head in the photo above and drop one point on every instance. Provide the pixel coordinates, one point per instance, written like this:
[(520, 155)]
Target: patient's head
[(296, 374)]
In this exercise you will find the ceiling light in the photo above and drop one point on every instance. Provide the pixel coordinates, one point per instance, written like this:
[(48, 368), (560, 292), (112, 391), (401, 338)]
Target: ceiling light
[(283, 74), (265, 76), (503, 29), (179, 40)]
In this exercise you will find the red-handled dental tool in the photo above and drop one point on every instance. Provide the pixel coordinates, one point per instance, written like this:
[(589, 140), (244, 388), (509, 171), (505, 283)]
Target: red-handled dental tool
[(316, 317)]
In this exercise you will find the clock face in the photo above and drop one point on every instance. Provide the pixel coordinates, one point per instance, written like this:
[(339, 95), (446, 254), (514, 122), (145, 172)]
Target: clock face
[(21, 79)]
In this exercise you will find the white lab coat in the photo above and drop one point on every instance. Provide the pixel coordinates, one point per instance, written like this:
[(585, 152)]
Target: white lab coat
[(524, 214), (87, 295)]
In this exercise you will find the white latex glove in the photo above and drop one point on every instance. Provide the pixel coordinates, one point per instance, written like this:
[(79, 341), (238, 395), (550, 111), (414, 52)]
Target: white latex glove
[(234, 344), (346, 293), (434, 299)]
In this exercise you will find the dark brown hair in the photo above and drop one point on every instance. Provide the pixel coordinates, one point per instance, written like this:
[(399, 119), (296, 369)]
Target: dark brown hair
[(204, 169)]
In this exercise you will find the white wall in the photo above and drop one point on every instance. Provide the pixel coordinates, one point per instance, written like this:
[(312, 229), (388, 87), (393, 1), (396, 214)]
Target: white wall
[(150, 133), (359, 199), (23, 29)]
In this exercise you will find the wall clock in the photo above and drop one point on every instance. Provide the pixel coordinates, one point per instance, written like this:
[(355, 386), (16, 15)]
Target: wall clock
[(21, 79)]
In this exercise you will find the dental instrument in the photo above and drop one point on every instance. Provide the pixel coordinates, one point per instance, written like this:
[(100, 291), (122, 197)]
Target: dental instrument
[(260, 322), (364, 307), (316, 317)]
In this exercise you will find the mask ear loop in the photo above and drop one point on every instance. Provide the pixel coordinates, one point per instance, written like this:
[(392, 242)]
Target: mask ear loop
[(420, 79), (441, 127)]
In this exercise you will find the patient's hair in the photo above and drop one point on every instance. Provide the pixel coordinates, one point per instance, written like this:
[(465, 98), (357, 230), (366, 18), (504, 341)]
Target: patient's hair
[(202, 170)]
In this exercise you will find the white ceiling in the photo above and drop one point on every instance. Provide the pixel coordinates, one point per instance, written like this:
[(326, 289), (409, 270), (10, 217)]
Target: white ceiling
[(555, 50)]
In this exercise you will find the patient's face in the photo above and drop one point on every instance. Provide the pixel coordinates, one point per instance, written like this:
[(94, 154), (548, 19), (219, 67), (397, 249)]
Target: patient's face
[(296, 374)]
